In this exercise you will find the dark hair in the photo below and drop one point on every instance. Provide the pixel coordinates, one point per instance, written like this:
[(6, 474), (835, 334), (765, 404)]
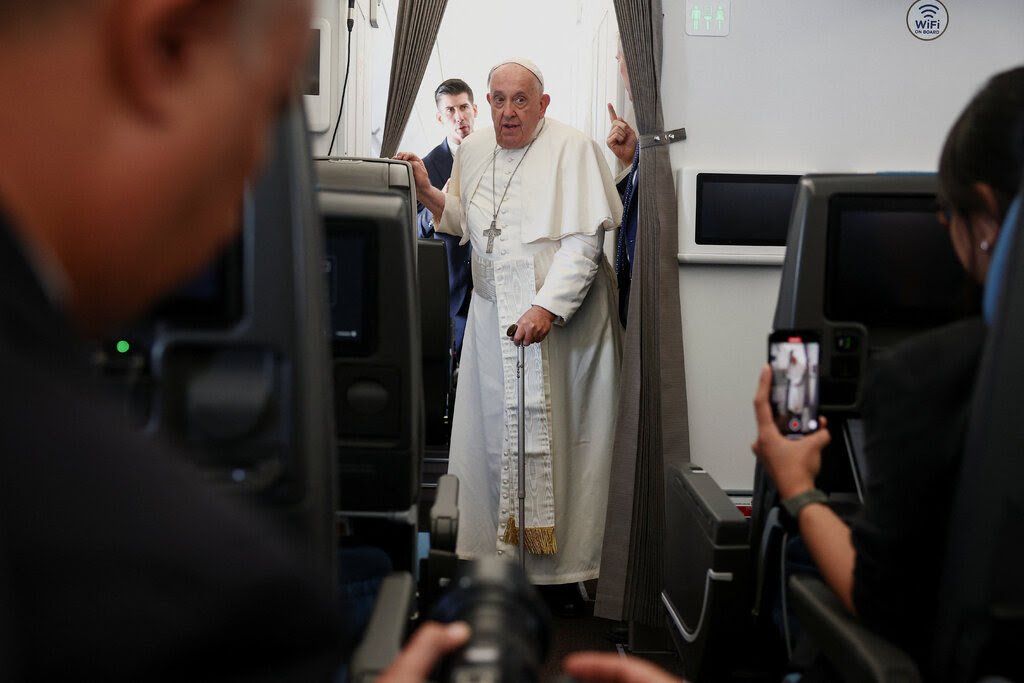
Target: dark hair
[(453, 86), (986, 144)]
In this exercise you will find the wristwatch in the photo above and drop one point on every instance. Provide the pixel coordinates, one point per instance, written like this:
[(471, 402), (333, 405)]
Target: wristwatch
[(801, 500)]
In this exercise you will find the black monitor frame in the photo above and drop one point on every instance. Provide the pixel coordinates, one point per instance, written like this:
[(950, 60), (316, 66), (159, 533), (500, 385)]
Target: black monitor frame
[(802, 297), (949, 293), (705, 182)]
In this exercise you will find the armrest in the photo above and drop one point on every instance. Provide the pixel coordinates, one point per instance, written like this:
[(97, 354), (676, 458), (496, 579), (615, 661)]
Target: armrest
[(856, 652), (387, 629), (705, 573), (444, 515), (442, 562)]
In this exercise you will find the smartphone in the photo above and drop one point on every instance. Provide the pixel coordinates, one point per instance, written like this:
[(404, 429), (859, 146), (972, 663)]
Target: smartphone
[(793, 356)]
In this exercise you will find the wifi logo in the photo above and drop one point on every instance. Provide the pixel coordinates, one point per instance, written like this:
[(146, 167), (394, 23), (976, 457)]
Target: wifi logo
[(927, 19)]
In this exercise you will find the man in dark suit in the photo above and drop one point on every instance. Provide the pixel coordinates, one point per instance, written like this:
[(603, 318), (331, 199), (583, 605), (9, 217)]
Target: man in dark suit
[(623, 142), (133, 128), (457, 113)]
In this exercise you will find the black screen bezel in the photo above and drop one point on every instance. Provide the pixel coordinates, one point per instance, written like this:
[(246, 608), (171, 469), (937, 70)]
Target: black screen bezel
[(701, 234), (875, 317)]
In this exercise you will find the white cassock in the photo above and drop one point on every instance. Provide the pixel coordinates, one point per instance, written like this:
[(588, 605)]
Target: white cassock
[(796, 376), (553, 218)]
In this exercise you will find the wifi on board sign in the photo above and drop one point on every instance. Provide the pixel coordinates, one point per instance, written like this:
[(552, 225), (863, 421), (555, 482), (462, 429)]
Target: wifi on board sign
[(927, 19)]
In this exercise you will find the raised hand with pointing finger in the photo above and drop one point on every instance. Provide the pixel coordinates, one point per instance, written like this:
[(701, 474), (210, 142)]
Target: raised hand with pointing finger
[(622, 138)]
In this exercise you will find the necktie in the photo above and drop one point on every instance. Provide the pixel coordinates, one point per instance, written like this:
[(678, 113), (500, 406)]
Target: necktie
[(622, 265)]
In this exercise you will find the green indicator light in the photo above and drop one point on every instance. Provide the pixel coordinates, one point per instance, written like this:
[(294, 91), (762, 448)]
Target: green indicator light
[(123, 346)]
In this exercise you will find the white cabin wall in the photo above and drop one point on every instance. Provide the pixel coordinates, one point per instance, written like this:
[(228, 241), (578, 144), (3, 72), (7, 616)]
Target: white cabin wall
[(475, 34), (803, 85), (568, 39), (607, 85), (598, 67), (354, 134)]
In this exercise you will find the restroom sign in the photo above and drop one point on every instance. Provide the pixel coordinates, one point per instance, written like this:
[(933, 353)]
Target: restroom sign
[(707, 17), (927, 19)]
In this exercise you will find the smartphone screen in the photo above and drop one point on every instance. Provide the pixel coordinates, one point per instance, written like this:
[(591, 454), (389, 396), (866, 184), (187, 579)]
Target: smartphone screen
[(793, 356)]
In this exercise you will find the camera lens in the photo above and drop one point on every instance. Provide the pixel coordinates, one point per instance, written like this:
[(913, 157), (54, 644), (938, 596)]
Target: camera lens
[(509, 621)]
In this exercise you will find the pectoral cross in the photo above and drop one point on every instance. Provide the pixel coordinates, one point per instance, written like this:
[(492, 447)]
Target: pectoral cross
[(491, 233)]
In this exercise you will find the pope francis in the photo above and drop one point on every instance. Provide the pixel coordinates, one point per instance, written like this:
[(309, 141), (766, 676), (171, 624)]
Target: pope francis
[(534, 197)]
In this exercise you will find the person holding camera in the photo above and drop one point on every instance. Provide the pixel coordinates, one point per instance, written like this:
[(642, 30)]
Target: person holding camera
[(129, 130)]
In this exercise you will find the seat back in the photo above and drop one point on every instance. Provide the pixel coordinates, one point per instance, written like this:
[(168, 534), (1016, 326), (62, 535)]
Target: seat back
[(368, 208), (438, 334), (234, 367), (980, 624)]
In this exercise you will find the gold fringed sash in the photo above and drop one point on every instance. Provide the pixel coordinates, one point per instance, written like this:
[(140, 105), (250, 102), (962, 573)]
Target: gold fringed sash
[(539, 541)]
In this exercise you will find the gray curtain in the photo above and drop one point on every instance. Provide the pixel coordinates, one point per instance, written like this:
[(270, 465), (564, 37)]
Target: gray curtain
[(415, 33), (653, 427)]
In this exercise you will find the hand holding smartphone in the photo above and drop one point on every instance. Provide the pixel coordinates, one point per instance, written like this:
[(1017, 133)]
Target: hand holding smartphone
[(793, 356)]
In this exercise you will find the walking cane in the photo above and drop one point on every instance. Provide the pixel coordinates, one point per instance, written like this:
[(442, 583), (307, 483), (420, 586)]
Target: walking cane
[(521, 377)]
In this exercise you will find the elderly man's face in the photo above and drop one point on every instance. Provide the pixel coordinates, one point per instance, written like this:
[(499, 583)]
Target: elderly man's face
[(517, 105)]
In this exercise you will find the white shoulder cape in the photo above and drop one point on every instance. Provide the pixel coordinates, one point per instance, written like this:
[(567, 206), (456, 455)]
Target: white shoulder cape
[(565, 177)]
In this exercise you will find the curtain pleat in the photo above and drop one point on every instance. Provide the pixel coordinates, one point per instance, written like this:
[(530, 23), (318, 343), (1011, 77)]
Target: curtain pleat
[(653, 427), (415, 33)]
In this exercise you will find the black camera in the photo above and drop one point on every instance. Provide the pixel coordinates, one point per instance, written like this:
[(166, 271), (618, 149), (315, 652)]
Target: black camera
[(511, 624)]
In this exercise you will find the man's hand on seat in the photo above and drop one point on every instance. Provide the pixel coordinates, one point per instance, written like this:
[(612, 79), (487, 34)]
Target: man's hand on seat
[(427, 195)]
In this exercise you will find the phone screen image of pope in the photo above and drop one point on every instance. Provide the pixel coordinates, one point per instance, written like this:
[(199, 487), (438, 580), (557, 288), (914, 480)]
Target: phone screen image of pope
[(793, 357)]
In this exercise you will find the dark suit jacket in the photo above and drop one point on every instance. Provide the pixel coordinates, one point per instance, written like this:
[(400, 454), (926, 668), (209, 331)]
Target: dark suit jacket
[(118, 560), (626, 248), (460, 274), (916, 404)]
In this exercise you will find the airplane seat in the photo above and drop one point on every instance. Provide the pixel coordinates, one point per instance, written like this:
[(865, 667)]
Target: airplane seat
[(980, 624), (853, 652), (706, 573), (387, 628), (368, 209), (438, 330), (980, 617), (392, 341), (867, 264), (398, 604), (233, 367), (438, 364), (440, 566), (298, 390), (438, 333)]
